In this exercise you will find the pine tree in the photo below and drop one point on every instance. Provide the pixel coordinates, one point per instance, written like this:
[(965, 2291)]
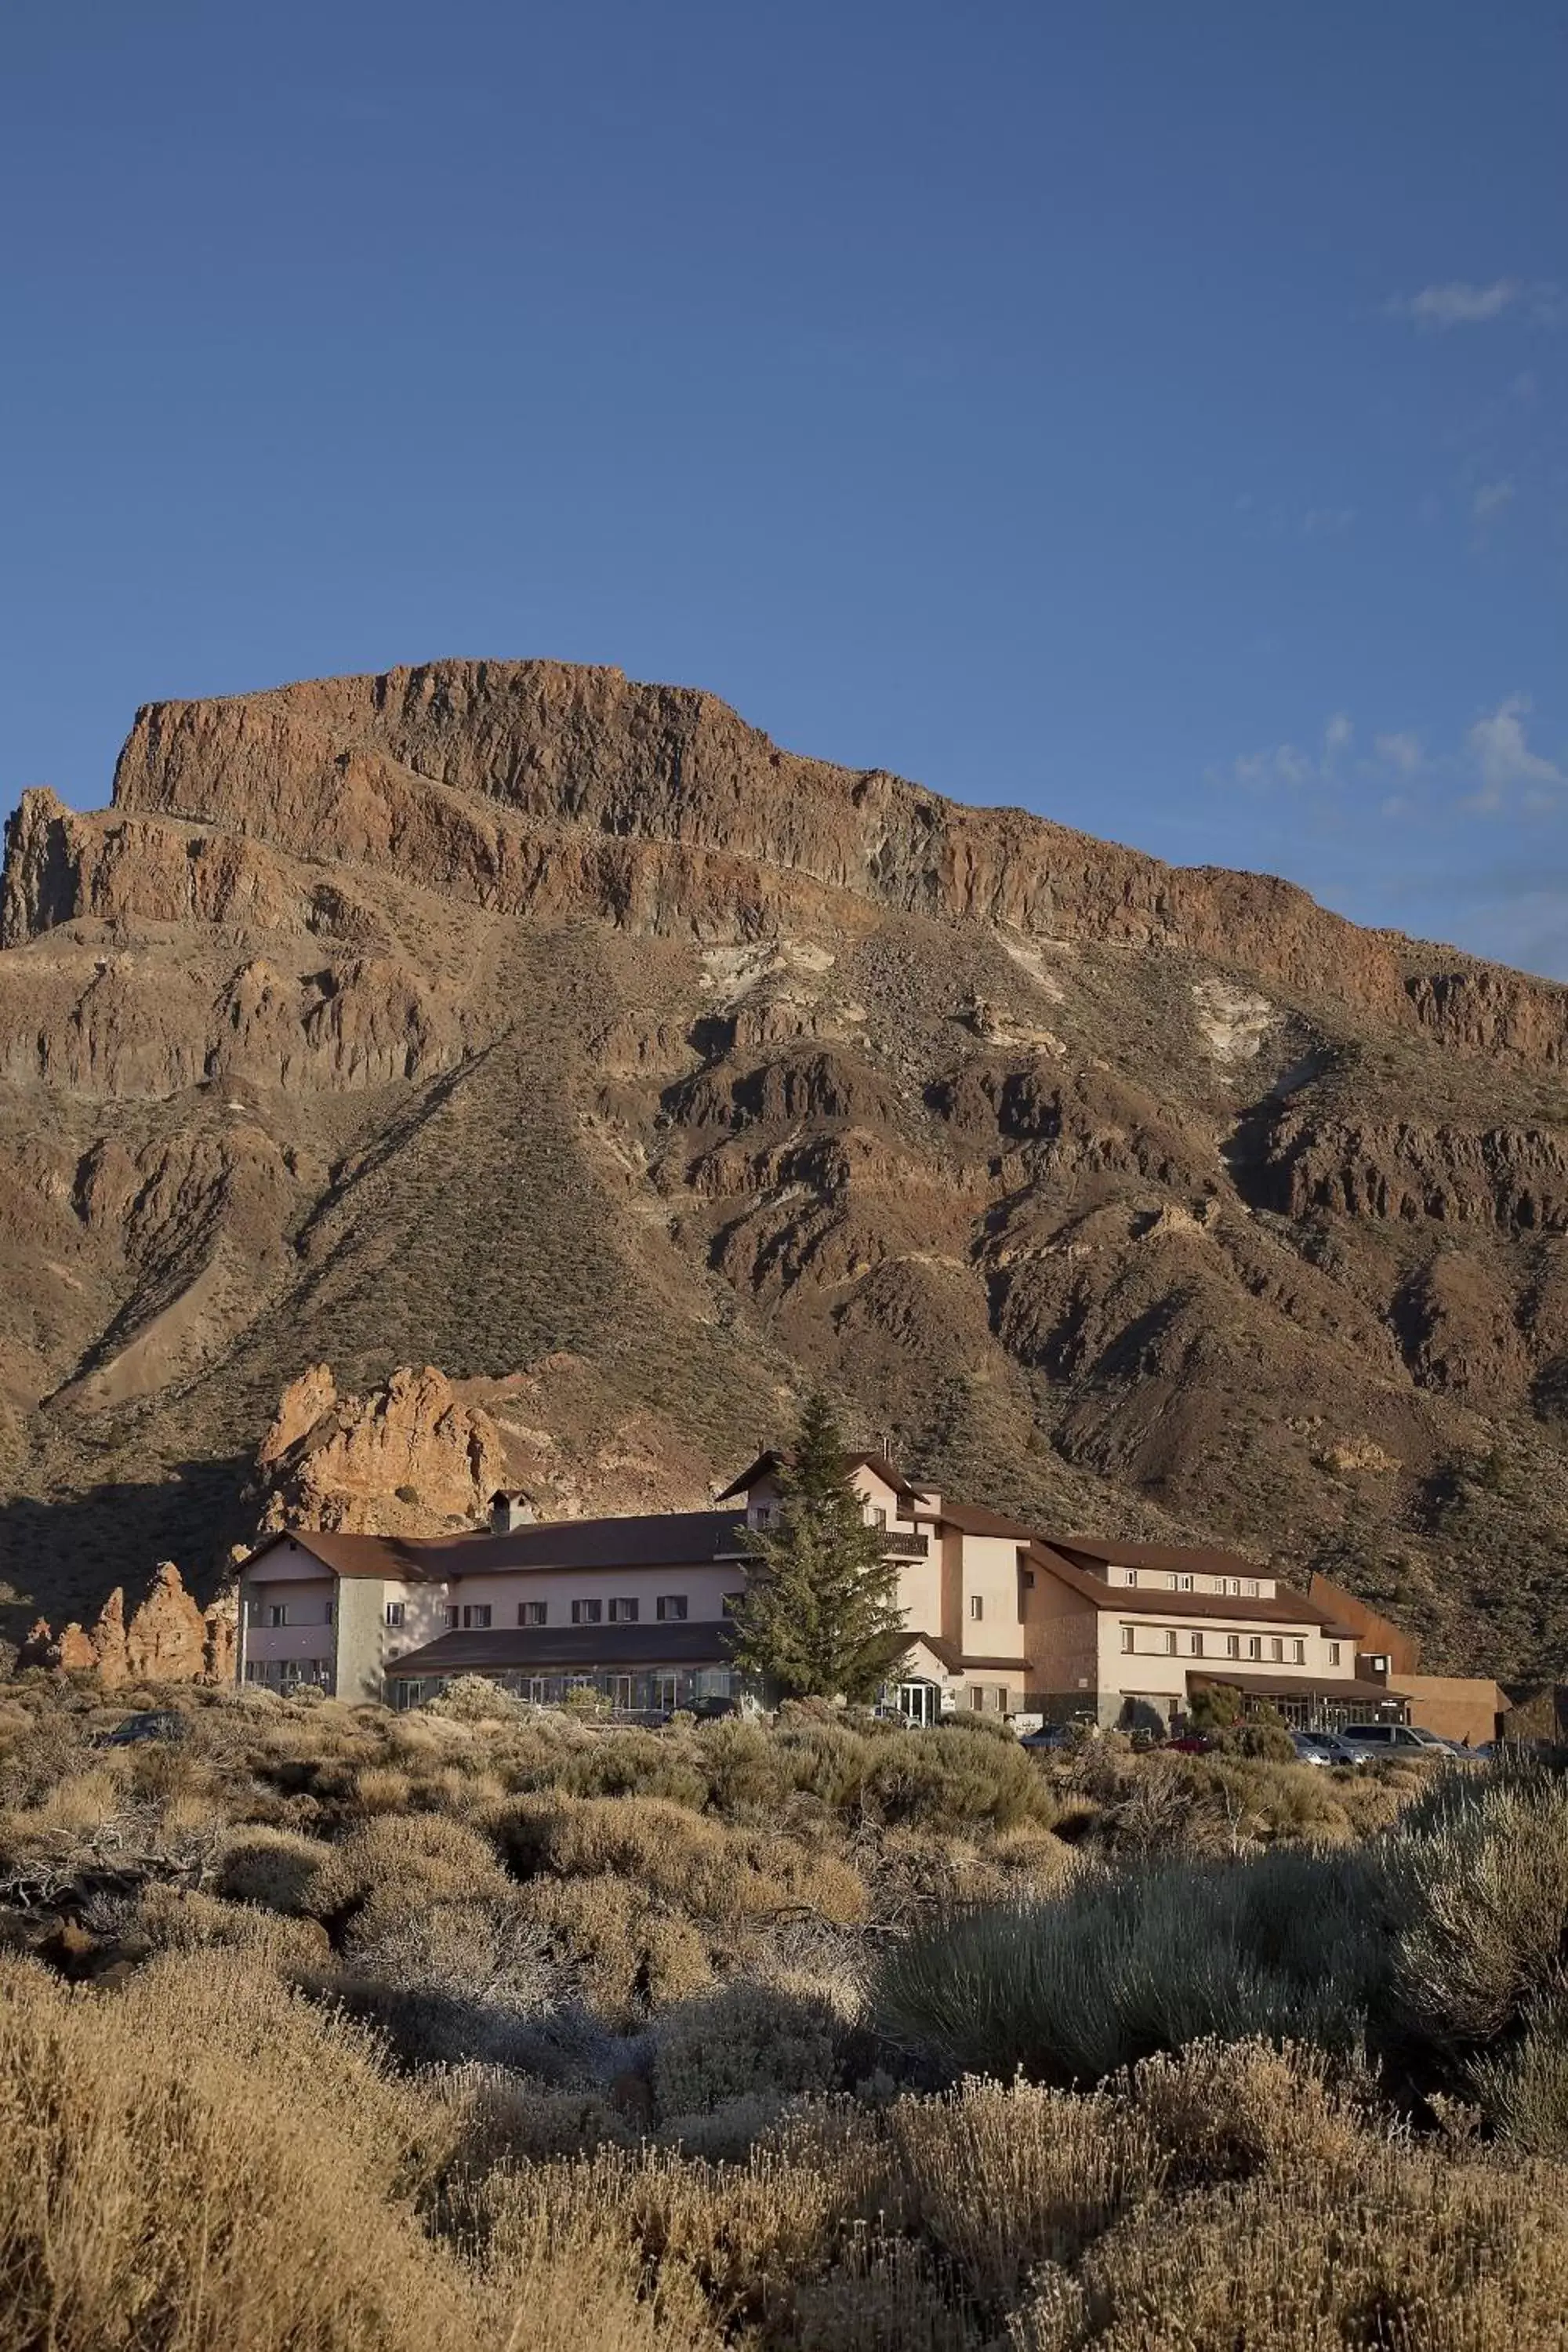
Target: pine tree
[(820, 1616)]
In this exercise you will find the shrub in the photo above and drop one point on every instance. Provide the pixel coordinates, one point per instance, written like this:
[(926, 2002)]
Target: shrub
[(1406, 2249), (1002, 2179), (164, 2187), (1477, 1877), (956, 1776), (743, 2041), (398, 1864), (1117, 1968), (273, 1868), (182, 1919), (1523, 2090)]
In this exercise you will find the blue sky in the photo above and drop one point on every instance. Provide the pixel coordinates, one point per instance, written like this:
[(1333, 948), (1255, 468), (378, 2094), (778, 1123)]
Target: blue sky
[(1157, 417)]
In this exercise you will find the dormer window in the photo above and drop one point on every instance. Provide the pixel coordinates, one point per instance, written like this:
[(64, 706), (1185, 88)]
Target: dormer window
[(1131, 1575)]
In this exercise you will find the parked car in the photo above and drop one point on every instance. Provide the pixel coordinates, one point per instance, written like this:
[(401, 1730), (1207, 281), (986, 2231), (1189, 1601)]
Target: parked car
[(1191, 1743), (1373, 1739), (1326, 1748), (1050, 1735), (160, 1722)]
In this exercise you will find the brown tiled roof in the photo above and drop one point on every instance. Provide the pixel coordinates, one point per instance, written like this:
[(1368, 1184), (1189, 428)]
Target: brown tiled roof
[(972, 1519), (1288, 1607), (541, 1649), (1200, 1558), (644, 1540), (773, 1459), (381, 1557)]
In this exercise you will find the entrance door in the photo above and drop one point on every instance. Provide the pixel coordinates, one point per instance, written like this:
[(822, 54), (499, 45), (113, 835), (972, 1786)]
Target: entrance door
[(619, 1689), (919, 1701), (667, 1693)]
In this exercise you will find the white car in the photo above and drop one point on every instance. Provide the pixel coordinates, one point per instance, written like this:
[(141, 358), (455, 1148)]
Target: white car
[(1371, 1739)]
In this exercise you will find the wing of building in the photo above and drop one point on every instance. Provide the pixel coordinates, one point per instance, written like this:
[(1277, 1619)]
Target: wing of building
[(1003, 1617)]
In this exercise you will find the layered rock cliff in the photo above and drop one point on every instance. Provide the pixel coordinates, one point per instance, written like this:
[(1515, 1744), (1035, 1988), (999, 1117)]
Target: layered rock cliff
[(567, 1035)]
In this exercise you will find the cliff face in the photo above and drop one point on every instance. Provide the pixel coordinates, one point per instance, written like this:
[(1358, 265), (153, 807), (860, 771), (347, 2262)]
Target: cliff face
[(566, 1034)]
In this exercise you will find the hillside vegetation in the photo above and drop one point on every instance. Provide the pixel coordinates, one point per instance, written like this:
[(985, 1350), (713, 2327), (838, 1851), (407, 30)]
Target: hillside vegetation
[(327, 2028), (566, 1035)]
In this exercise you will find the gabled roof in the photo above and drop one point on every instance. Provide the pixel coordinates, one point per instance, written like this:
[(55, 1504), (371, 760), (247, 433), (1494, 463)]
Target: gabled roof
[(382, 1557), (774, 1460), (974, 1519), (1286, 1607), (956, 1663), (1203, 1558)]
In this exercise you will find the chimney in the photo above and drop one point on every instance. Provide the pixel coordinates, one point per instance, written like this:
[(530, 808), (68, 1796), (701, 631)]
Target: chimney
[(508, 1512)]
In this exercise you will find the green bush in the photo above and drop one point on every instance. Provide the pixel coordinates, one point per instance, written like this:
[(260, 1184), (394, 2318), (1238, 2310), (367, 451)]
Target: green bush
[(1477, 1871), (1072, 1990)]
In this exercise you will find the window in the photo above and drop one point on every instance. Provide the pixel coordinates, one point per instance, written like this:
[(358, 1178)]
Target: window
[(1252, 1588), (731, 1602), (1333, 1653), (477, 1616), (670, 1608), (1126, 1637), (1232, 1645), (587, 1612), (1185, 1583), (1170, 1646), (395, 1612), (278, 1614), (976, 1605), (878, 1518), (976, 1697), (1299, 1654), (331, 1612), (623, 1613), (450, 1613), (1172, 1580), (1254, 1646), (533, 1613), (255, 1610), (1276, 1648), (1195, 1644), (1132, 1576)]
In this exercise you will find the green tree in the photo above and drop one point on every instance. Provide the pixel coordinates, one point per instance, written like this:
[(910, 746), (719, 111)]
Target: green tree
[(820, 1615)]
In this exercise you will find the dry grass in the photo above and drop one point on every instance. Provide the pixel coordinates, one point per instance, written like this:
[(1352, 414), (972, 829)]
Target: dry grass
[(620, 2076)]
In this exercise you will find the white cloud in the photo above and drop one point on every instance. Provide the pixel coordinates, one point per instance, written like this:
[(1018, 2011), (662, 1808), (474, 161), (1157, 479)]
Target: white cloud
[(1401, 751), (1286, 766), (1282, 765), (1502, 756), (1457, 304), (1490, 499)]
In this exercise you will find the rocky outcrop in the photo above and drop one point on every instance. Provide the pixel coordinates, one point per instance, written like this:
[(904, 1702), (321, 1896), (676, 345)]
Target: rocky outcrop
[(168, 1639), (1416, 1172), (410, 1459)]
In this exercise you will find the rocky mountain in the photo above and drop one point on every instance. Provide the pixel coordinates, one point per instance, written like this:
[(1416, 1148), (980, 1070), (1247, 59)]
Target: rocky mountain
[(567, 1035)]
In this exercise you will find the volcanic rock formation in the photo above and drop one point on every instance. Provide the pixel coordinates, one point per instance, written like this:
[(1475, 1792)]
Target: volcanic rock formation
[(568, 1035)]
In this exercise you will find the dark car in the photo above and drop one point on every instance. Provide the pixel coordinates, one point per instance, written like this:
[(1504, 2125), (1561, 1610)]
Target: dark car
[(159, 1723)]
